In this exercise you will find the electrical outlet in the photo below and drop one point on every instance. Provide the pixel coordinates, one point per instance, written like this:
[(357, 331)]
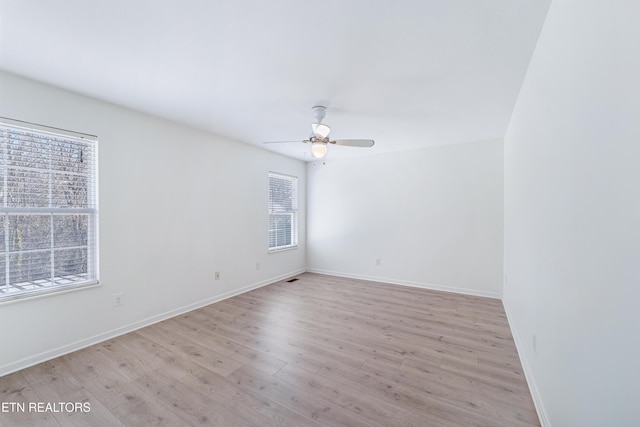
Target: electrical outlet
[(377, 261), (118, 299), (217, 275), (257, 266)]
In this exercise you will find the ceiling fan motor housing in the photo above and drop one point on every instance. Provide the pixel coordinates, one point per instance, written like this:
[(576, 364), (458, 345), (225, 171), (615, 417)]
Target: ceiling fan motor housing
[(319, 112)]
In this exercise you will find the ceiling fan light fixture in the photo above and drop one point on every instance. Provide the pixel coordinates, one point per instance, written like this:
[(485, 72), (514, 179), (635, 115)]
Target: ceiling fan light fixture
[(320, 130), (319, 149)]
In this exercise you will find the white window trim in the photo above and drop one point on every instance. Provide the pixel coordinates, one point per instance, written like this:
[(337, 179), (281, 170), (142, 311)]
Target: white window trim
[(92, 238), (293, 213)]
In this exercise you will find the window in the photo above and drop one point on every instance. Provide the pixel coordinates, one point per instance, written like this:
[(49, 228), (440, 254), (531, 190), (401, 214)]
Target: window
[(48, 210), (283, 212)]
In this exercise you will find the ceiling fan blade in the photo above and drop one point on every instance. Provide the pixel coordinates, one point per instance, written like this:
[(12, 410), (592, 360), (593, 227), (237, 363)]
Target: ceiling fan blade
[(354, 142), (283, 142)]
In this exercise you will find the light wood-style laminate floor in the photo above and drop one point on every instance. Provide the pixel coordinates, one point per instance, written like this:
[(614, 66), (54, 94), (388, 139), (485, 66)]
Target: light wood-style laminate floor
[(322, 350)]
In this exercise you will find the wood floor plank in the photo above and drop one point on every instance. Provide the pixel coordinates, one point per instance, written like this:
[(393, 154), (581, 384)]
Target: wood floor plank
[(321, 351), (354, 398), (76, 396), (167, 335), (192, 406), (16, 392), (278, 348), (256, 408), (444, 389), (422, 371), (131, 403), (229, 348), (311, 406), (421, 402)]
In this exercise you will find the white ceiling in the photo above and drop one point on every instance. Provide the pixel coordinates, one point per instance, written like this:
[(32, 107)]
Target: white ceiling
[(407, 73)]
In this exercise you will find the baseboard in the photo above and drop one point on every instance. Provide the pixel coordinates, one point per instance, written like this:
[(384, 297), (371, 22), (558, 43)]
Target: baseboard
[(80, 344), (533, 388), (392, 281)]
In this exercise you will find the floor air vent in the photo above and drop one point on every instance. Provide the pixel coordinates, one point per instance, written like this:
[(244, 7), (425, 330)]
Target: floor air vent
[(292, 280)]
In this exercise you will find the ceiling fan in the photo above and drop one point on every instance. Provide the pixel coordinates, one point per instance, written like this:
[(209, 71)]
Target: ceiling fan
[(319, 138)]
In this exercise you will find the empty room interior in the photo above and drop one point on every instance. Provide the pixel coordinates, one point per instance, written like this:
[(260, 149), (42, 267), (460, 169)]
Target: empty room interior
[(358, 213)]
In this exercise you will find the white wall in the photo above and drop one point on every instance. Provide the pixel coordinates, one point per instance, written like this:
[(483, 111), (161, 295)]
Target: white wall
[(176, 205), (432, 216), (572, 216)]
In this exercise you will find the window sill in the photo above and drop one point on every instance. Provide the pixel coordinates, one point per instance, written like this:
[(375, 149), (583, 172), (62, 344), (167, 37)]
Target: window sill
[(57, 290), (286, 248)]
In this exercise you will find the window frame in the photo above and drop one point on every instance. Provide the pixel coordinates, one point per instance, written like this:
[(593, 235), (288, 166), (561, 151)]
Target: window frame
[(283, 212), (53, 283)]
